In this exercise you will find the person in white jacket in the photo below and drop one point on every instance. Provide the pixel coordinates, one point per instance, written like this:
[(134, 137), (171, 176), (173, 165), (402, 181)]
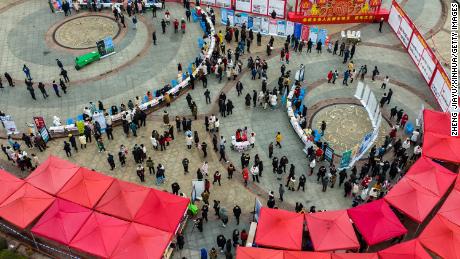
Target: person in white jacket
[(255, 173), (204, 168)]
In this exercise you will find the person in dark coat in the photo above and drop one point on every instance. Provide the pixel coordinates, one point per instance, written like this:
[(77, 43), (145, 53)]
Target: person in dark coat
[(221, 241), (111, 161), (237, 213), (9, 79)]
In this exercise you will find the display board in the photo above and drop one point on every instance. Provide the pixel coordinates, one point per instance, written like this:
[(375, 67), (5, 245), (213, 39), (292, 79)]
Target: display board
[(208, 2), (322, 35), (264, 25), (441, 88), (259, 7), (305, 32), (394, 18), (243, 5), (41, 128), (405, 32), (273, 27), (256, 24), (224, 3), (281, 28), (290, 28), (9, 124), (278, 6), (416, 48), (427, 65), (313, 36)]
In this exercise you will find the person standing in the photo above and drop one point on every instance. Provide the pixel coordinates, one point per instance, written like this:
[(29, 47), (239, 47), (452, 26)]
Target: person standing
[(111, 161), (73, 142), (302, 181), (381, 24), (26, 71), (42, 89), (323, 127), (67, 149), (154, 37), (385, 82), (375, 73), (63, 86), (56, 89), (237, 213), (59, 64), (140, 172), (207, 94), (255, 173), (281, 191), (389, 95), (185, 163), (9, 79), (134, 19), (149, 163), (30, 88), (122, 19)]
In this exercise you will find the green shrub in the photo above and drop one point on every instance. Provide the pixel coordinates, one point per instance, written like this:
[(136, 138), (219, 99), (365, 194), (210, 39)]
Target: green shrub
[(8, 254)]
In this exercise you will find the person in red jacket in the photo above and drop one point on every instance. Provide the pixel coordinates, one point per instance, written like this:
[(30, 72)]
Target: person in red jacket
[(176, 25), (329, 77), (404, 120), (319, 154), (245, 176), (243, 237)]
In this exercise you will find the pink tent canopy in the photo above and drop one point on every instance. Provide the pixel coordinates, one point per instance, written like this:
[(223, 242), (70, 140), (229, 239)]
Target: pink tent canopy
[(258, 253), (141, 242), (61, 221), (123, 199), (441, 147), (9, 184), (303, 255), (25, 205), (51, 175), (86, 187), (431, 175), (451, 207), (100, 235), (376, 222), (355, 256), (279, 229), (412, 199), (331, 230), (442, 237), (436, 122), (162, 210), (408, 250)]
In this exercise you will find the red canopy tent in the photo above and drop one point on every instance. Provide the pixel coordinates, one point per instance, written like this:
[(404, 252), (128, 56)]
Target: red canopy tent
[(431, 175), (355, 256), (100, 235), (279, 229), (122, 199), (86, 187), (331, 230), (51, 175), (303, 255), (441, 147), (25, 205), (407, 250), (162, 210), (411, 199), (9, 184), (450, 210), (141, 242), (376, 222), (436, 122), (258, 253), (442, 237), (61, 221)]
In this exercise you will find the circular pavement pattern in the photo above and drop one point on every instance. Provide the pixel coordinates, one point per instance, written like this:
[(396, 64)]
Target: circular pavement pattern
[(346, 124), (84, 32)]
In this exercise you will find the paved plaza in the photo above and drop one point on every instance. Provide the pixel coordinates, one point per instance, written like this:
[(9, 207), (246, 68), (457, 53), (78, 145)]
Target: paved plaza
[(34, 36)]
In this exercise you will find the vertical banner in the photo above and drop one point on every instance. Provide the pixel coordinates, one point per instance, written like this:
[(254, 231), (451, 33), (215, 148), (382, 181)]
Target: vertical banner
[(313, 34), (273, 27), (290, 28), (281, 28), (231, 17), (298, 30), (405, 32), (264, 24), (41, 128), (322, 35), (278, 6), (244, 17), (256, 24), (345, 161), (9, 124), (305, 32), (329, 154), (243, 5), (259, 7), (223, 16), (250, 22)]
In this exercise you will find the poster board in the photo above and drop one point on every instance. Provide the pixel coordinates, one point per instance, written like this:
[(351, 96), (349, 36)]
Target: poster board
[(208, 2), (298, 30), (322, 35), (264, 24), (405, 32), (394, 18), (416, 48), (223, 16), (281, 28), (278, 6), (313, 36), (427, 65), (290, 28), (223, 3), (256, 24), (273, 27), (305, 32), (441, 88), (259, 7), (243, 5)]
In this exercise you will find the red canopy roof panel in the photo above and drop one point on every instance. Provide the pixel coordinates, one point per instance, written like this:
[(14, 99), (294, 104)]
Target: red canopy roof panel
[(100, 235), (412, 199), (376, 222), (162, 210), (122, 199), (450, 210), (431, 176), (141, 242), (407, 250), (457, 183), (25, 205), (331, 230), (86, 187), (51, 175), (436, 122), (442, 237), (355, 256), (9, 184), (61, 221), (441, 147), (258, 253), (279, 229), (303, 255)]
